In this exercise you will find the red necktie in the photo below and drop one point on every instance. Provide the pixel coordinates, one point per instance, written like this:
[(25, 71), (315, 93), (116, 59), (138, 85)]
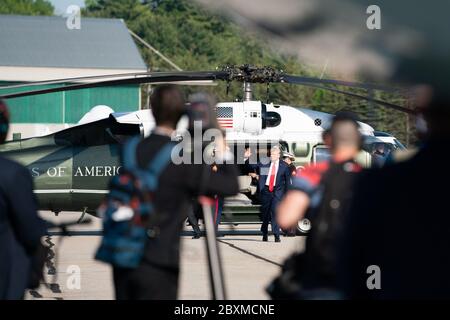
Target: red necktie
[(272, 177)]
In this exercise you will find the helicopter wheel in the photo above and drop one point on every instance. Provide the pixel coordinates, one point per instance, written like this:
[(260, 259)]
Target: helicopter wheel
[(303, 226)]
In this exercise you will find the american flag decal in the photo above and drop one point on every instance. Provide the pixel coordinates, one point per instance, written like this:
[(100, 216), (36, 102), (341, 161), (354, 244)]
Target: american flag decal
[(225, 117)]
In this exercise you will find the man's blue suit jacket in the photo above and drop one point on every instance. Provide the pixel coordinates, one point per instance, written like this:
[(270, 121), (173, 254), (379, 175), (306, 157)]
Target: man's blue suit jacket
[(282, 181)]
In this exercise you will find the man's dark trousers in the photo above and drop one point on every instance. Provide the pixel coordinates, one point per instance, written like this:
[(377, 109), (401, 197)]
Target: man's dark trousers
[(269, 201)]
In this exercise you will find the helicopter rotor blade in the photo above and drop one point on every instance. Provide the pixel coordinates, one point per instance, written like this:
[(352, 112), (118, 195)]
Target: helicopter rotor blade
[(74, 79), (354, 95), (303, 80), (148, 78), (230, 73)]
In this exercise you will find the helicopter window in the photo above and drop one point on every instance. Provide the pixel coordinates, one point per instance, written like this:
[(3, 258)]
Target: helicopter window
[(263, 116), (381, 134), (273, 119), (284, 146), (105, 131), (321, 153), (301, 149), (381, 148)]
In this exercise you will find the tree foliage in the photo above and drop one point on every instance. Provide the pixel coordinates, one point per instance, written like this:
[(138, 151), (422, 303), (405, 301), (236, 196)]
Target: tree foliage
[(26, 7)]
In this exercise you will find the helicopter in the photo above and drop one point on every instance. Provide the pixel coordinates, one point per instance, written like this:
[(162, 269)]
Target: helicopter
[(71, 168)]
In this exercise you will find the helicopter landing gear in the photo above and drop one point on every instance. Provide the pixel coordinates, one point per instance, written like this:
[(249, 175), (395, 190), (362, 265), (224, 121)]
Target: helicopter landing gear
[(303, 226), (82, 215)]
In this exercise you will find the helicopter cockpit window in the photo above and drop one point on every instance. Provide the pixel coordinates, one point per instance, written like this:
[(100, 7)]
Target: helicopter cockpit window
[(381, 148), (105, 131)]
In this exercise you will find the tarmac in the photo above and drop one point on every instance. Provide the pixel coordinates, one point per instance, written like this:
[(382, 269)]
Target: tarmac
[(249, 264)]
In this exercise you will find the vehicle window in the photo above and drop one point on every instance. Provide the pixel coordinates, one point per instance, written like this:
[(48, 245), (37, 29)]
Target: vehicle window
[(284, 146), (321, 154)]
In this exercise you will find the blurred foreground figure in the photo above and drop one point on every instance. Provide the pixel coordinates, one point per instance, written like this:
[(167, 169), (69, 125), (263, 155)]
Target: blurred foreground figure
[(218, 204), (20, 227), (321, 192), (156, 274), (396, 243), (289, 159)]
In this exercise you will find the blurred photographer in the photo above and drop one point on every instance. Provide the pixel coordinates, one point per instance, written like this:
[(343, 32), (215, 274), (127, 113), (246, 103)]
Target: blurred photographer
[(156, 276), (322, 193), (21, 229)]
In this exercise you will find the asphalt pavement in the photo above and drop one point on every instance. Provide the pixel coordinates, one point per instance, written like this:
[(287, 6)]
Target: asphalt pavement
[(248, 263)]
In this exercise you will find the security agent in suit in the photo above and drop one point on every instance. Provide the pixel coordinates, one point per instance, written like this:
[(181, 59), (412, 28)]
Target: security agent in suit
[(20, 227), (274, 179), (157, 275)]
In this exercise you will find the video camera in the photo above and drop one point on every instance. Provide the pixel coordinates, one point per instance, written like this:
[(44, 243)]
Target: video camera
[(204, 137), (202, 109)]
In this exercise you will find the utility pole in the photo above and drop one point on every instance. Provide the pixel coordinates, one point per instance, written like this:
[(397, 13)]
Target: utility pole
[(159, 54), (408, 130)]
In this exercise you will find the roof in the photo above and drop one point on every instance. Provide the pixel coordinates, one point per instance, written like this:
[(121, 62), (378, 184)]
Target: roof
[(40, 41)]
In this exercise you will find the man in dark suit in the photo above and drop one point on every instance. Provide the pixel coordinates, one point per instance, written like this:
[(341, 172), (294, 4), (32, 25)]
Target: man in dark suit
[(274, 179), (20, 227)]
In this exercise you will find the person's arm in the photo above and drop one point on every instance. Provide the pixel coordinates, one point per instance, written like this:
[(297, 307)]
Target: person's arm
[(252, 168), (254, 175), (27, 225), (294, 205)]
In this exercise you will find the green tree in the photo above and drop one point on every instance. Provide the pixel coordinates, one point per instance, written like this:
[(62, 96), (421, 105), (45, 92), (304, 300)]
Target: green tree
[(26, 7)]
